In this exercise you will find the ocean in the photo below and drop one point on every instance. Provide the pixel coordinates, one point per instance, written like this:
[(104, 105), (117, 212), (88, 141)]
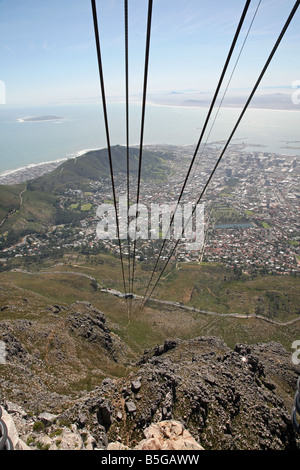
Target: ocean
[(69, 130)]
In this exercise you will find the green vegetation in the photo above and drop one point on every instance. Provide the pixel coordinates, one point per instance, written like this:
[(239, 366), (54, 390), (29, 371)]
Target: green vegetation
[(86, 207), (218, 289), (30, 297), (266, 225), (37, 211), (40, 208), (209, 287), (223, 214), (57, 268), (9, 198), (249, 213), (77, 173), (38, 426)]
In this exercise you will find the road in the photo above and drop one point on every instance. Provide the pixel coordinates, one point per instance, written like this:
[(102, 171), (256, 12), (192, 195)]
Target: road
[(121, 295), (14, 210)]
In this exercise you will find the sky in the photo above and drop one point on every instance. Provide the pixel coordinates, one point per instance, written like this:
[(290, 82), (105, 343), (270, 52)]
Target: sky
[(48, 54)]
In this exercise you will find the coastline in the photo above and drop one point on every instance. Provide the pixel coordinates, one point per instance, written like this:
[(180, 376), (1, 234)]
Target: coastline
[(12, 169), (20, 175), (34, 170)]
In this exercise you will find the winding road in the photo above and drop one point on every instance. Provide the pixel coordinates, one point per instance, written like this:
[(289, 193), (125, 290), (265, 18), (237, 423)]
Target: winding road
[(121, 295), (16, 208)]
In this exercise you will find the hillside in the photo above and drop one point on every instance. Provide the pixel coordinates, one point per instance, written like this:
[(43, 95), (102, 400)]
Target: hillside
[(39, 207), (9, 199), (211, 350), (75, 379), (79, 172), (72, 349)]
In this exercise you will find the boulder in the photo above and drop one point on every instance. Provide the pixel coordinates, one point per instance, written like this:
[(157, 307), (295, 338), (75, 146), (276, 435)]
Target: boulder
[(168, 435), (136, 385), (47, 418), (67, 439), (116, 446), (130, 407)]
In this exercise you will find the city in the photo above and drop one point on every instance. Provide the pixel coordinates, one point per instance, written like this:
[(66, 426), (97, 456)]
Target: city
[(251, 212)]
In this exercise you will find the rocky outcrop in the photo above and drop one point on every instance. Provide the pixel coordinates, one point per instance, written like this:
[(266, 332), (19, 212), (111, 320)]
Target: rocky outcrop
[(197, 393), (91, 326), (14, 350), (65, 345), (238, 399), (168, 435)]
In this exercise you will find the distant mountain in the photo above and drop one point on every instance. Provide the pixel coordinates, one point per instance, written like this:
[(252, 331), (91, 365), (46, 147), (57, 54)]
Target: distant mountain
[(282, 101)]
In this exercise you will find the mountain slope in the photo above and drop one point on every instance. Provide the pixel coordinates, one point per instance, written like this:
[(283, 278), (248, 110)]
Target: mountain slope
[(39, 206), (9, 199), (62, 338), (94, 165), (228, 400)]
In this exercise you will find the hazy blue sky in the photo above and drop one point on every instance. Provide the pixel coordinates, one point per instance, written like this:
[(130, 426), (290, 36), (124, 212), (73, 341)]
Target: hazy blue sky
[(48, 55)]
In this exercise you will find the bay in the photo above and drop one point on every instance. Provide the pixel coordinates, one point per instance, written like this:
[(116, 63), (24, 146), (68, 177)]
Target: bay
[(75, 128)]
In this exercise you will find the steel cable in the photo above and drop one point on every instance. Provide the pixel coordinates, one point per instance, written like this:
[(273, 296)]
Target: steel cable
[(97, 40), (281, 35), (228, 59), (229, 81), (147, 53), (127, 140)]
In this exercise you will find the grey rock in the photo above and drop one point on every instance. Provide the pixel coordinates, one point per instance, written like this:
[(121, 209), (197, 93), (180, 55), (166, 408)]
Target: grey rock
[(130, 407), (228, 399), (136, 385), (47, 418), (105, 415)]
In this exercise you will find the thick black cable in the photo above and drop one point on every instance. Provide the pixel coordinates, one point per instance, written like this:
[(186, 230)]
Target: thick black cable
[(147, 53), (228, 59), (97, 39), (288, 21), (229, 81), (127, 138)]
